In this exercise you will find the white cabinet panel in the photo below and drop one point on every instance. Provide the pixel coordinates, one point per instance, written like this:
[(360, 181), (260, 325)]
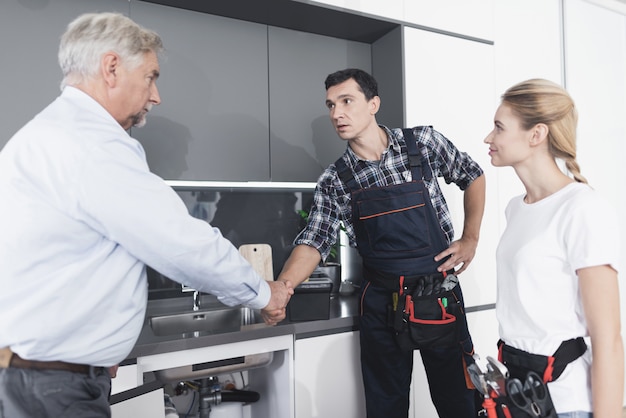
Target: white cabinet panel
[(527, 41), (445, 15), (449, 84), (595, 52), (328, 379), (467, 17), (150, 405), (392, 9)]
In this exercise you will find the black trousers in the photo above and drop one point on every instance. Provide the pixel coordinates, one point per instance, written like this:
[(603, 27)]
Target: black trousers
[(387, 369)]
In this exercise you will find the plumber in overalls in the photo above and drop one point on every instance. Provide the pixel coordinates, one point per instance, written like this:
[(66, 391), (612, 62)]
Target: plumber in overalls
[(384, 191)]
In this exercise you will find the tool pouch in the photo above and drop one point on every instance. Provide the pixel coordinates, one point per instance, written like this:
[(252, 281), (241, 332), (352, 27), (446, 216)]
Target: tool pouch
[(425, 315), (531, 400)]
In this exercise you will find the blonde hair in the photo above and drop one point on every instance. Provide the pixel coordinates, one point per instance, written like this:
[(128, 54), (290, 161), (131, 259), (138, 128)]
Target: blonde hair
[(541, 101), (91, 35)]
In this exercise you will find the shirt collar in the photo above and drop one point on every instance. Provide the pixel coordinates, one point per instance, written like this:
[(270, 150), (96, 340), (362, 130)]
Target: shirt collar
[(88, 103), (393, 144)]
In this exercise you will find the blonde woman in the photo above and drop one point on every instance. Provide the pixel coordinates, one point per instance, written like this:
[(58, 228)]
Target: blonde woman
[(557, 258)]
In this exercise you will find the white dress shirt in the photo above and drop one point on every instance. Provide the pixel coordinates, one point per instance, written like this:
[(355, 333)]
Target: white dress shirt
[(80, 217)]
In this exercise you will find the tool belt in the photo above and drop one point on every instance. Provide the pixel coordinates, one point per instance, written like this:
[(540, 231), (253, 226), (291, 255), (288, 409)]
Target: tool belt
[(527, 398), (9, 359), (520, 362), (510, 397), (424, 312)]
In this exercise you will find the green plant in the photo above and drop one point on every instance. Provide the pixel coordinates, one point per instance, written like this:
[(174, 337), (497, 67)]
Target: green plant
[(333, 251)]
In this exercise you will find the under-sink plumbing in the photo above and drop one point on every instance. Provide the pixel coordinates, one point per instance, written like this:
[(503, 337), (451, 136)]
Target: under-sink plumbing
[(211, 394)]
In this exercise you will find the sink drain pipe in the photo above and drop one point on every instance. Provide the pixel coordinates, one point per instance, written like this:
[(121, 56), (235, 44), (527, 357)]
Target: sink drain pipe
[(218, 397)]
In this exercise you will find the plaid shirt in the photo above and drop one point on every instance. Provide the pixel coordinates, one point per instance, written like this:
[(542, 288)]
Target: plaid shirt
[(332, 201)]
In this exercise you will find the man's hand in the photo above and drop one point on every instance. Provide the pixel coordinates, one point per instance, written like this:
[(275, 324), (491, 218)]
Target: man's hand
[(463, 251), (275, 311), (113, 370), (460, 252)]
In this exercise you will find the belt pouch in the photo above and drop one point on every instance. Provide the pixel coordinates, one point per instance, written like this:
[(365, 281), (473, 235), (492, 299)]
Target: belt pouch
[(520, 362), (426, 321), (509, 405)]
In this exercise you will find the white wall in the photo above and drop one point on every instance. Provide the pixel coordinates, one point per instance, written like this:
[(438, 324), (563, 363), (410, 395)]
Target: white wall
[(595, 76)]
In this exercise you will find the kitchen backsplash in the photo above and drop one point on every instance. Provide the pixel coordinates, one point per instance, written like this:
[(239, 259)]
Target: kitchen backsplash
[(244, 216)]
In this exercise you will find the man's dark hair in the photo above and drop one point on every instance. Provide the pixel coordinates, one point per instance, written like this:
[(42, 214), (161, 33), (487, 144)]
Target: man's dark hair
[(366, 82)]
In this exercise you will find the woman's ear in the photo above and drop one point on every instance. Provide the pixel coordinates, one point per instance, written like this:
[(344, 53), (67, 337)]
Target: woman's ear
[(539, 134)]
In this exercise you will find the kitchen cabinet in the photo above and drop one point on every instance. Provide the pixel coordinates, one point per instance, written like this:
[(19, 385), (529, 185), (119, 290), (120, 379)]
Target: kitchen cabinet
[(273, 381), (254, 115), (148, 405), (449, 85), (328, 379), (212, 123), (441, 15), (29, 41), (303, 141), (241, 81)]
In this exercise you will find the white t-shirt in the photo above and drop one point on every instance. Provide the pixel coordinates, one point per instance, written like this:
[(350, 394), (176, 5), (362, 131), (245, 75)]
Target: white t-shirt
[(538, 302), (81, 216)]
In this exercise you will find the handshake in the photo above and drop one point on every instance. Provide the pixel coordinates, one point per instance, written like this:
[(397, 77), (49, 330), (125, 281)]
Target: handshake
[(275, 311)]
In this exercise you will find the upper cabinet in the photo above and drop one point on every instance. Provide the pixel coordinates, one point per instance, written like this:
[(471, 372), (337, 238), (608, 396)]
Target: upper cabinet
[(471, 18), (243, 93), (303, 140), (29, 41), (450, 85), (212, 123)]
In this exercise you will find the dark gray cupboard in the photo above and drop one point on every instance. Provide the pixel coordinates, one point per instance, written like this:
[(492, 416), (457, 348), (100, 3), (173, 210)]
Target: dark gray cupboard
[(241, 80)]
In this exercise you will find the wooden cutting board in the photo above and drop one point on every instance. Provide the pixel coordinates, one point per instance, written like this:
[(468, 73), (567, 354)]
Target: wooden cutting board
[(260, 257)]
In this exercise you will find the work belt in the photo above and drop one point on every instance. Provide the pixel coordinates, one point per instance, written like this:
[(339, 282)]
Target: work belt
[(391, 281), (9, 359), (520, 362)]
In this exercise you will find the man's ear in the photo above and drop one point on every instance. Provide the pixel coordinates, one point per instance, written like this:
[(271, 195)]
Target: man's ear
[(109, 67), (539, 134), (374, 105)]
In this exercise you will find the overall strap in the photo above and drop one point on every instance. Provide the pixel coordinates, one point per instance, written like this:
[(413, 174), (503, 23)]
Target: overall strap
[(415, 162), (418, 171), (345, 174)]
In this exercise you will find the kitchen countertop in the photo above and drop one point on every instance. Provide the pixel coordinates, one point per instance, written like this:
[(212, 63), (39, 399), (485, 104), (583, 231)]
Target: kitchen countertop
[(343, 317)]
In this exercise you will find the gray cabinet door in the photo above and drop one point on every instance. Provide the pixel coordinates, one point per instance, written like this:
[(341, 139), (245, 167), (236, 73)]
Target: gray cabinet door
[(303, 141), (212, 123), (29, 40)]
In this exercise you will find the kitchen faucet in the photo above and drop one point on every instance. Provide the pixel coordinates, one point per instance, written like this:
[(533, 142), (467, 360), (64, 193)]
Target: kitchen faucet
[(196, 296), (196, 300)]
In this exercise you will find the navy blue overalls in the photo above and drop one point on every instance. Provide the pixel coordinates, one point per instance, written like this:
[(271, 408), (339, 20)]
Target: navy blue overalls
[(398, 233)]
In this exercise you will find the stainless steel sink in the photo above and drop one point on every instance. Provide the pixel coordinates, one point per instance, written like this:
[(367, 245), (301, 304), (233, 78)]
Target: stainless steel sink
[(203, 322), (214, 368), (206, 322)]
